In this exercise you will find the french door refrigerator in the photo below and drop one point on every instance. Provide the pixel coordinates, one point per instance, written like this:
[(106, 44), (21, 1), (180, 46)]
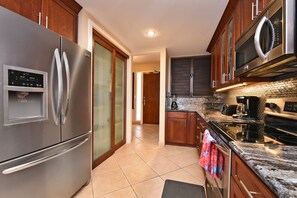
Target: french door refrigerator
[(45, 111)]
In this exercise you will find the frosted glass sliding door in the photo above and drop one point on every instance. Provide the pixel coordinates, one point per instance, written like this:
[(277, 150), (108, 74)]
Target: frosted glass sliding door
[(119, 100), (102, 100)]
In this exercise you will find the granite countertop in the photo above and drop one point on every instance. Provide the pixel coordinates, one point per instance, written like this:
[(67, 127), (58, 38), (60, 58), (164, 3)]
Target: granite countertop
[(276, 165), (216, 115)]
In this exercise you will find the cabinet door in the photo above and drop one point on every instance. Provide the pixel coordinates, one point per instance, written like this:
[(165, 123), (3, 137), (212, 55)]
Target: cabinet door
[(191, 139), (251, 9), (30, 9), (61, 19), (176, 130), (180, 76), (213, 67), (201, 76), (235, 190), (230, 51), (219, 61)]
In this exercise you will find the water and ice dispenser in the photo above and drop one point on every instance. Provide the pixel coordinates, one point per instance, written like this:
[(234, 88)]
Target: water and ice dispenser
[(25, 95)]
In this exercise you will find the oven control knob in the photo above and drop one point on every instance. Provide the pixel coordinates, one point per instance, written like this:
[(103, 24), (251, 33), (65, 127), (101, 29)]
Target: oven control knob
[(270, 105)]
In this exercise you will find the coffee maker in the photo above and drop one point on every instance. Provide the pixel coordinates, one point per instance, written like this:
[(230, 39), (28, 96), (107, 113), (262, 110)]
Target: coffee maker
[(247, 107)]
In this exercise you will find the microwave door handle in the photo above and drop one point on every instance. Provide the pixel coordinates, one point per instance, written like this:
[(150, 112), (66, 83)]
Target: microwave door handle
[(273, 36), (257, 38), (67, 70), (56, 111)]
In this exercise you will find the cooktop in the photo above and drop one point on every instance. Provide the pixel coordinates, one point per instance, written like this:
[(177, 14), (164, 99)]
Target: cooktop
[(279, 126)]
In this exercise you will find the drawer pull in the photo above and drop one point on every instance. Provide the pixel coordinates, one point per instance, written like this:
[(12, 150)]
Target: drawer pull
[(250, 193)]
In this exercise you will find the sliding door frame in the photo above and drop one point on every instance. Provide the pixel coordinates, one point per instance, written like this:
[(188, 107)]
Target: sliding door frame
[(116, 53)]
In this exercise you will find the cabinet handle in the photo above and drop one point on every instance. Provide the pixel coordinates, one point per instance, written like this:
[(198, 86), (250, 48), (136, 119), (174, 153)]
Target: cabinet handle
[(46, 21), (253, 5), (213, 83), (250, 193), (223, 78), (39, 18), (257, 7)]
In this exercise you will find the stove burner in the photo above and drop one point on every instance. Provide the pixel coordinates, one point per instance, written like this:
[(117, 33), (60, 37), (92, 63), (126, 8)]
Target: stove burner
[(289, 139)]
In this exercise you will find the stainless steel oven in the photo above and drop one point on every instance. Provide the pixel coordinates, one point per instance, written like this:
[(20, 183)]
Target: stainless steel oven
[(215, 187), (268, 48)]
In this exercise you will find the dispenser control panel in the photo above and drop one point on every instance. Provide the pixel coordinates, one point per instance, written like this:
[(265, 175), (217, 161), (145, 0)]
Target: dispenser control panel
[(24, 79)]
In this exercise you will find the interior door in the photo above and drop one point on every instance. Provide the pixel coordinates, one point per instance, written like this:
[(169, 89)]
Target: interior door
[(102, 102), (25, 44), (77, 107), (151, 95)]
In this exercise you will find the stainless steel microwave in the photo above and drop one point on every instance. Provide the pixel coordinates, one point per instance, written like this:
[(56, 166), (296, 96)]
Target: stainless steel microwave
[(268, 47)]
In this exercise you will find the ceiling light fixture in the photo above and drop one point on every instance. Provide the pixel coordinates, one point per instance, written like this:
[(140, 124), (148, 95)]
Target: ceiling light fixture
[(150, 33), (230, 87)]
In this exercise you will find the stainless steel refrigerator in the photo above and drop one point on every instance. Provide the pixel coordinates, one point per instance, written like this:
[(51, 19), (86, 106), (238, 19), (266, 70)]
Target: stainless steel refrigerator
[(45, 111)]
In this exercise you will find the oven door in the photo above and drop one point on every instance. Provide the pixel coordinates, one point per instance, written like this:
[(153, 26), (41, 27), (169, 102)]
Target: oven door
[(220, 188)]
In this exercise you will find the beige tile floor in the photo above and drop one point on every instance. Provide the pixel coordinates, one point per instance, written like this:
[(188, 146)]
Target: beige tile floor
[(139, 169)]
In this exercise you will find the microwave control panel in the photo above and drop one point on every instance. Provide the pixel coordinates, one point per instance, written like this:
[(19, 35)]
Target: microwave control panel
[(25, 79)]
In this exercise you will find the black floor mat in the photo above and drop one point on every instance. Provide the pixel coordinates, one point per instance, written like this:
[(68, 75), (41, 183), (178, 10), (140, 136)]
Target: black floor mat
[(176, 189)]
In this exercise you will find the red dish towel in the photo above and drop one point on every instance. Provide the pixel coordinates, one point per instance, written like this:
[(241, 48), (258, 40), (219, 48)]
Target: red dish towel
[(205, 156), (211, 159)]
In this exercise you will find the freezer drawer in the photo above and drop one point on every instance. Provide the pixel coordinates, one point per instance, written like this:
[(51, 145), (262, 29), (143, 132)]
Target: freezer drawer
[(58, 171)]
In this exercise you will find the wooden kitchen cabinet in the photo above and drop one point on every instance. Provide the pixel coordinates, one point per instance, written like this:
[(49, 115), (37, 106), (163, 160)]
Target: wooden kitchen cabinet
[(201, 126), (245, 182), (180, 128), (28, 8), (223, 42), (250, 10), (60, 16), (190, 76)]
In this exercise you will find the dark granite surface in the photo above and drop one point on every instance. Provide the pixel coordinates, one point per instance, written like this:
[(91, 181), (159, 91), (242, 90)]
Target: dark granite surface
[(215, 115), (276, 165)]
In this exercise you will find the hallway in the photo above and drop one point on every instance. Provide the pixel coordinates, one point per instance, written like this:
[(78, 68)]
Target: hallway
[(139, 169)]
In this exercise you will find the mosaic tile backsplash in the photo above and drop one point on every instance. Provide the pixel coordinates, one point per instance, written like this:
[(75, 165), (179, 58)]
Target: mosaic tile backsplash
[(196, 104), (279, 89)]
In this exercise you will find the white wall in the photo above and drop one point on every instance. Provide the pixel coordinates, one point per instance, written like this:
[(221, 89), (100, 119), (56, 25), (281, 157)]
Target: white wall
[(86, 24)]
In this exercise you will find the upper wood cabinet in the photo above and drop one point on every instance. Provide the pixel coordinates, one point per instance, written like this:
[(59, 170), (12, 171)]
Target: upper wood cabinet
[(235, 20), (60, 16), (190, 76), (29, 8), (251, 9)]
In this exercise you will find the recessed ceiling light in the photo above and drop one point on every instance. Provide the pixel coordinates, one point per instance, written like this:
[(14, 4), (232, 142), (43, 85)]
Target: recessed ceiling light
[(150, 33)]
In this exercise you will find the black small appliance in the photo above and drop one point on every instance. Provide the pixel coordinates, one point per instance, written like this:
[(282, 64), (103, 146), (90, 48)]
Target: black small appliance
[(247, 107)]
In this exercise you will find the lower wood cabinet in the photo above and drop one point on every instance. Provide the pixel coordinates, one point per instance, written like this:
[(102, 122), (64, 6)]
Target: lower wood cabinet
[(180, 128), (201, 126), (245, 183)]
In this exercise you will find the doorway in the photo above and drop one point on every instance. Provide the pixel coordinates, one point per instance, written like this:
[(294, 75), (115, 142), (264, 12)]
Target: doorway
[(151, 97)]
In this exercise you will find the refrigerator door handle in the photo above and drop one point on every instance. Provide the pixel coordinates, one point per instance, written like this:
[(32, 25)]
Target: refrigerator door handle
[(41, 160), (57, 62), (66, 64)]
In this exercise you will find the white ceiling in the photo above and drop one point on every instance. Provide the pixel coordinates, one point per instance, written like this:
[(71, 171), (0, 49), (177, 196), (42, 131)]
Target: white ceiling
[(184, 27)]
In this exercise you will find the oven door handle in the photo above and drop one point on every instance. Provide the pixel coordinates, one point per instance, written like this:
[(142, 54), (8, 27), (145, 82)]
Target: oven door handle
[(222, 149)]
